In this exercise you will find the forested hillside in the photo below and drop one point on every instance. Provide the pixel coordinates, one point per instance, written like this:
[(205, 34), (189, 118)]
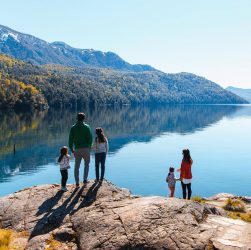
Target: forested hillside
[(15, 93), (65, 86)]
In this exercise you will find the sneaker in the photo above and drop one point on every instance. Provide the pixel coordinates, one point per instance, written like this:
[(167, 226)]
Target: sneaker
[(64, 189), (77, 185)]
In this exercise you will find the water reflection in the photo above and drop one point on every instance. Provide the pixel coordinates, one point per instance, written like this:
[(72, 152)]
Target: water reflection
[(38, 136)]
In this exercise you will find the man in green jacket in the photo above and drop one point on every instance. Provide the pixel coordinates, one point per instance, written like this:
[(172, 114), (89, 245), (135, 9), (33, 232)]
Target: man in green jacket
[(80, 143)]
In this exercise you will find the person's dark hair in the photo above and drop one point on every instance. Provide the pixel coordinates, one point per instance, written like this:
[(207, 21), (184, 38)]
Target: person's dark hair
[(81, 117), (186, 155), (100, 135), (63, 152), (171, 170)]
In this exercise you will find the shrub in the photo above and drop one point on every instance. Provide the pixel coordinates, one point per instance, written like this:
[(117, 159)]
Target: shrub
[(234, 215), (9, 239), (235, 205), (5, 237), (246, 217), (198, 199), (243, 216), (53, 244)]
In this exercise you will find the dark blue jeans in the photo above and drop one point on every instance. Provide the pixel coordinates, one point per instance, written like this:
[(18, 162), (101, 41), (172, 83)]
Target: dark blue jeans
[(100, 160), (187, 193), (64, 174)]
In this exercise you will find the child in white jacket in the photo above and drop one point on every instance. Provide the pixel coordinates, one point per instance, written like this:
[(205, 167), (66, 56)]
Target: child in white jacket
[(64, 163)]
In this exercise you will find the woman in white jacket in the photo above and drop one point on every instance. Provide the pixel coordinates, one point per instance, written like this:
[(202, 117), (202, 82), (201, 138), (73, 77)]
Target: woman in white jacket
[(101, 150)]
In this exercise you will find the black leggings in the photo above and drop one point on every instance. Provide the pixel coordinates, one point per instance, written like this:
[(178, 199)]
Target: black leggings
[(64, 174), (189, 190), (100, 158)]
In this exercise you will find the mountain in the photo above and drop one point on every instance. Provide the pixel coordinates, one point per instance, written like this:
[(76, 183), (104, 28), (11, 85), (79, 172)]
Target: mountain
[(58, 75), (27, 85), (37, 51), (244, 93)]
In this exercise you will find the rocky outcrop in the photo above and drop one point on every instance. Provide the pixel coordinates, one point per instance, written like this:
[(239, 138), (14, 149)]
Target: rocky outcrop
[(222, 197), (103, 216)]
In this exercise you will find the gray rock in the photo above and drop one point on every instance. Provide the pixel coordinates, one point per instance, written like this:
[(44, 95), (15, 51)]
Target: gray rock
[(246, 198), (107, 217), (229, 234), (221, 196), (64, 234), (225, 196), (38, 243)]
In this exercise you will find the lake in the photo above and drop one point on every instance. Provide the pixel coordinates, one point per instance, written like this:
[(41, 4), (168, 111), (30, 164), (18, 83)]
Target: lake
[(144, 142)]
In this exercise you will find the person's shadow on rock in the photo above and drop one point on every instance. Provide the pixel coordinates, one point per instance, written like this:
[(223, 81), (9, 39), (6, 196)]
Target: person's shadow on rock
[(53, 217), (47, 205), (89, 197)]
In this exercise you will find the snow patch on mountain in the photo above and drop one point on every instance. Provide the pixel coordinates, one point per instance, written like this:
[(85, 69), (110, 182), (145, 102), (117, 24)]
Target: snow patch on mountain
[(41, 52), (5, 36)]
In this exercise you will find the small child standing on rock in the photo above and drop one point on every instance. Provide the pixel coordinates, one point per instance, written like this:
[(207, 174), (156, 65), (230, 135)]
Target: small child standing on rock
[(64, 163), (171, 180)]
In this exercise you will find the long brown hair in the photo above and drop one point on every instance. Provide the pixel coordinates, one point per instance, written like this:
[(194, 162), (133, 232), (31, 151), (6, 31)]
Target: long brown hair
[(63, 152), (186, 155), (100, 135)]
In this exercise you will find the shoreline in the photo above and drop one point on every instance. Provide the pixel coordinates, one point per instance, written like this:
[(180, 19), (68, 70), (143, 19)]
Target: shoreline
[(203, 197)]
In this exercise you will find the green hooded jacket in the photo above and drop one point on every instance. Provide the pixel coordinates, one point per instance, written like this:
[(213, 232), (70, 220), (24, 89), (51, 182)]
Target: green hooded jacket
[(80, 136)]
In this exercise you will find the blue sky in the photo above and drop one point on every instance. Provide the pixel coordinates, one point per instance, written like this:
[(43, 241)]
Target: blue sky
[(209, 38)]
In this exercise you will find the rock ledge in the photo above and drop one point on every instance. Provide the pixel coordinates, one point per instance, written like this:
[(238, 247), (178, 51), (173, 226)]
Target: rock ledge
[(107, 217)]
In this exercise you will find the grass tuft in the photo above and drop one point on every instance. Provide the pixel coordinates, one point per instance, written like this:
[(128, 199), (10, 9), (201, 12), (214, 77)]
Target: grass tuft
[(11, 240), (53, 244), (198, 199), (235, 205), (246, 217), (242, 216), (5, 238)]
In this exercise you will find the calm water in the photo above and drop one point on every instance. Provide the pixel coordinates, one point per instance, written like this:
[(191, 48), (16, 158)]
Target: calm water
[(144, 142)]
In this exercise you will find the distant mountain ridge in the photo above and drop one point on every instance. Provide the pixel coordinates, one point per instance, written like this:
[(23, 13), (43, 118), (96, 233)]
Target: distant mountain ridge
[(244, 93), (59, 75), (29, 48), (23, 85)]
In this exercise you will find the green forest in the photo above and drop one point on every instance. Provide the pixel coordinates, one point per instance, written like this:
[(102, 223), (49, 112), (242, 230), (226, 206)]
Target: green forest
[(27, 86)]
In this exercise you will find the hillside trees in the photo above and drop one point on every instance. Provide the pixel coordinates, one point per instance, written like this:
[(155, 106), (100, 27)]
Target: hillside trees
[(64, 86), (18, 95)]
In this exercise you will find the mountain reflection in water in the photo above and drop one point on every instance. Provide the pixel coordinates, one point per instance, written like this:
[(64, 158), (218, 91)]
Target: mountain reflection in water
[(39, 136)]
